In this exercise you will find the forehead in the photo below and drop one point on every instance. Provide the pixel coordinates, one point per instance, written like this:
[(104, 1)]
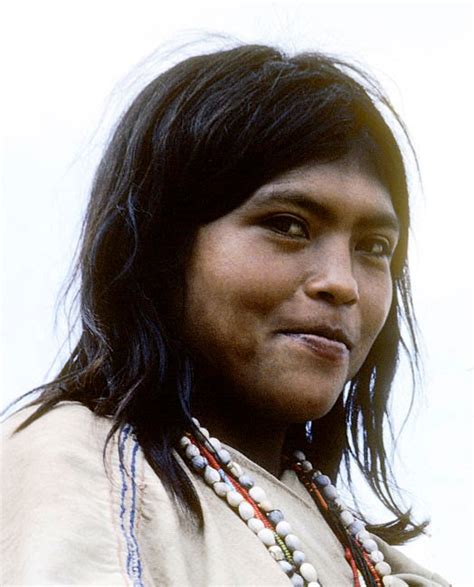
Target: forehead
[(339, 189)]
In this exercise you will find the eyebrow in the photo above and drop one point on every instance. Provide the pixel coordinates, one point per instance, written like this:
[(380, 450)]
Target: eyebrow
[(376, 219)]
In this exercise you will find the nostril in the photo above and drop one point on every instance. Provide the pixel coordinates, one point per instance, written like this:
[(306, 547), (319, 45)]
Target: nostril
[(340, 297), (327, 296), (336, 296)]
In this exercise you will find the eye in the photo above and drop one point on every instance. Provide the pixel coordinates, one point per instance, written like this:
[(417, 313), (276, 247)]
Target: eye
[(375, 246), (288, 225)]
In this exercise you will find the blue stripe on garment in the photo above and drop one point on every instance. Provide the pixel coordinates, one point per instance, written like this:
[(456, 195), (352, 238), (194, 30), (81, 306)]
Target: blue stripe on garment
[(124, 434), (134, 566)]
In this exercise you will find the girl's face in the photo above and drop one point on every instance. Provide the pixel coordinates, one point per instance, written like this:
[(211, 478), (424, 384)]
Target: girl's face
[(287, 293)]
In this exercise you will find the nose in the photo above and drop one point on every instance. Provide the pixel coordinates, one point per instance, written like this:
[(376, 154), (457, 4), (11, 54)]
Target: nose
[(331, 278)]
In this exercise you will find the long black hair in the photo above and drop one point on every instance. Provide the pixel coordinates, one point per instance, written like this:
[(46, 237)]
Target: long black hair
[(195, 143)]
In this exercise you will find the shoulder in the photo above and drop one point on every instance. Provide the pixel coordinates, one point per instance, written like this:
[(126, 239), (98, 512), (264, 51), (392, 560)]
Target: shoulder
[(62, 502), (70, 422), (63, 448), (56, 452)]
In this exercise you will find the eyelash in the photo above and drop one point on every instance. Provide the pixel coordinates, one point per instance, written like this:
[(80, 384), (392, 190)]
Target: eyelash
[(385, 244), (281, 224), (275, 224)]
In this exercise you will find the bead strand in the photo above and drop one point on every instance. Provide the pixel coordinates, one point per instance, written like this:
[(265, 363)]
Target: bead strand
[(214, 463), (337, 511), (247, 515), (287, 543), (355, 529), (237, 487), (251, 504), (319, 500)]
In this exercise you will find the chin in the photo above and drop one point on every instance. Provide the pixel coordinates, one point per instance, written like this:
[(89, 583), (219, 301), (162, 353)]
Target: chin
[(310, 413), (301, 405)]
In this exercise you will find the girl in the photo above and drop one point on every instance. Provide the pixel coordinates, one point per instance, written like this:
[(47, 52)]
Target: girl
[(243, 280)]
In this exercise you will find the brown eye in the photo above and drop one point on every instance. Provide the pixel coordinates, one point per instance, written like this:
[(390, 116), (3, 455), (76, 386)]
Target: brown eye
[(288, 225), (376, 247)]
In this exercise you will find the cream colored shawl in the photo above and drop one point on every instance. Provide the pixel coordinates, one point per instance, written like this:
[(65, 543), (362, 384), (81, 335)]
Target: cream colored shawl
[(68, 521)]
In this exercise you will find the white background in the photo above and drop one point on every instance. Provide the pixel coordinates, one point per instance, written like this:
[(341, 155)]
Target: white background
[(67, 75)]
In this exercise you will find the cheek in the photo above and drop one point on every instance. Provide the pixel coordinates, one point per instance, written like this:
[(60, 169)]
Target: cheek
[(226, 292), (230, 273), (376, 301), (386, 298)]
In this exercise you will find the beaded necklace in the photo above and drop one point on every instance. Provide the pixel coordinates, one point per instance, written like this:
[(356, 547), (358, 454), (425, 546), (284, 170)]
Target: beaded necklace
[(226, 477)]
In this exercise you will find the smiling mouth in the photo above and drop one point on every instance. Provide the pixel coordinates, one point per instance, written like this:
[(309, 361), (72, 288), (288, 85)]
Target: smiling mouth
[(326, 348)]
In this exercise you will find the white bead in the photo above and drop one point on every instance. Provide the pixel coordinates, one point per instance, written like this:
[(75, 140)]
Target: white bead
[(346, 518), (224, 456), (184, 442), (286, 567), (356, 527), (215, 443), (235, 469), (221, 488), (257, 494), (299, 557), (322, 480), (211, 476), (246, 510), (266, 505), (204, 432), (255, 525), (383, 568), (283, 528), (299, 454), (276, 552), (234, 498), (369, 545), (192, 451), (330, 492), (293, 542), (363, 535), (306, 466), (199, 463), (266, 536), (297, 580), (246, 482), (196, 422), (308, 572), (376, 556)]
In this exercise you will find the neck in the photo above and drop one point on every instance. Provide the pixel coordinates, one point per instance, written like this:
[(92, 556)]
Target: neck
[(258, 437)]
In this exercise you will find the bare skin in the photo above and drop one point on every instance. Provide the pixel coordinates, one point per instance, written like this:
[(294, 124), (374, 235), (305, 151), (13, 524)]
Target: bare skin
[(285, 297)]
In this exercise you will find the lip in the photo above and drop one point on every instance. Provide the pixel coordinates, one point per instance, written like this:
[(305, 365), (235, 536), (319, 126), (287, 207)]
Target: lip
[(333, 343), (322, 331), (326, 348)]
